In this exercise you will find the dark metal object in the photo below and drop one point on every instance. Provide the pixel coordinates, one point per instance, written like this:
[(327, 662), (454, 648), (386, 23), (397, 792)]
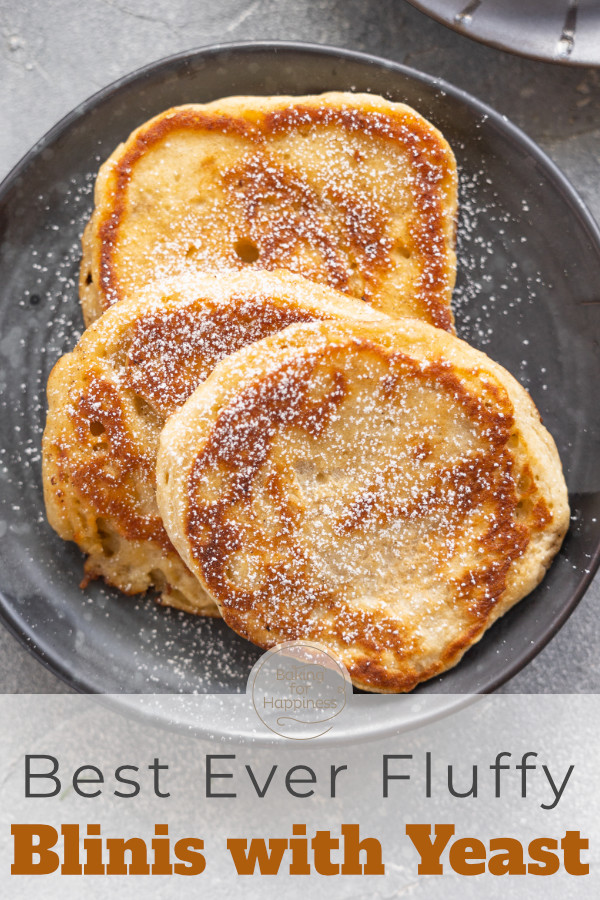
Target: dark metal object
[(562, 31), (527, 293)]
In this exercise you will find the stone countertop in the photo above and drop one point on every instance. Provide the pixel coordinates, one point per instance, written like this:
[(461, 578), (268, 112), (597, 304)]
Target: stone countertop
[(53, 56)]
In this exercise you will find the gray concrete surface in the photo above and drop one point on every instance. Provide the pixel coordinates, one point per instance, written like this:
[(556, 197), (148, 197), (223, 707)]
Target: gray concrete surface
[(53, 55)]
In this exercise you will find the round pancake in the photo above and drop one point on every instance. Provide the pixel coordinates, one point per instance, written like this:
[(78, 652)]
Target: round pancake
[(109, 399), (385, 490), (349, 190)]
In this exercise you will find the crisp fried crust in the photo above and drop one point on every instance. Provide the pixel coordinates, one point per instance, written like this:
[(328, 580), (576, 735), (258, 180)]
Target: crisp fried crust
[(109, 399), (349, 190), (385, 490)]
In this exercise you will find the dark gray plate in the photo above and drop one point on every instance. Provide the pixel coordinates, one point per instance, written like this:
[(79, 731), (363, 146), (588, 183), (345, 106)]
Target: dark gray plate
[(529, 276), (563, 31)]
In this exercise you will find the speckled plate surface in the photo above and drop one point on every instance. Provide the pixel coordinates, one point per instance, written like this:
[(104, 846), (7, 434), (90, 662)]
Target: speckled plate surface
[(562, 31), (528, 293)]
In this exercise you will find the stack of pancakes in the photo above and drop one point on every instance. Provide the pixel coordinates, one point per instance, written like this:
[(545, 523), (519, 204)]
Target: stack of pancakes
[(269, 416)]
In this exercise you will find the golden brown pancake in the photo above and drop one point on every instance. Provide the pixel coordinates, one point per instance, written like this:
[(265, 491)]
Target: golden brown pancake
[(384, 490), (349, 190), (109, 399)]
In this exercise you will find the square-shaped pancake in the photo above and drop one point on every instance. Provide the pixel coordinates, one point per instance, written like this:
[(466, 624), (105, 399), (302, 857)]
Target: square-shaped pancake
[(350, 190)]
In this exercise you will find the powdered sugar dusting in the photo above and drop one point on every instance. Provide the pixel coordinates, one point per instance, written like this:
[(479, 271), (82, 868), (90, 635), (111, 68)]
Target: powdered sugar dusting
[(42, 320)]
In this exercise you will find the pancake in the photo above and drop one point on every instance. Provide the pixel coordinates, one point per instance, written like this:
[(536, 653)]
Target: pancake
[(384, 490), (109, 399), (349, 190)]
